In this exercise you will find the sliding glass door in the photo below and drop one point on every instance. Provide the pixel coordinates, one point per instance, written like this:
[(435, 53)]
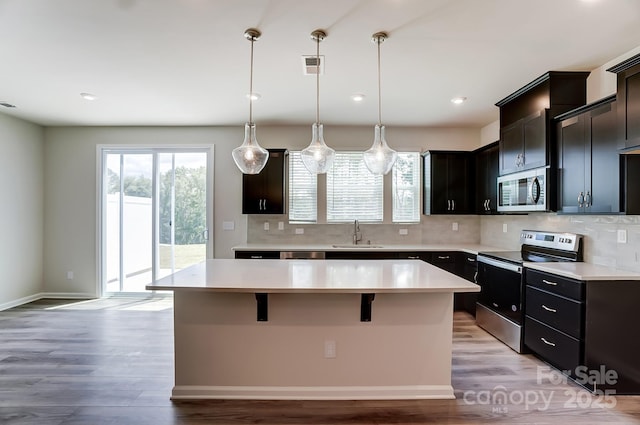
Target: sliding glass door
[(155, 214)]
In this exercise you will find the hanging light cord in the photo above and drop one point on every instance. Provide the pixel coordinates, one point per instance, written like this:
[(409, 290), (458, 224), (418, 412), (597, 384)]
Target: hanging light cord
[(379, 41), (317, 79), (251, 84)]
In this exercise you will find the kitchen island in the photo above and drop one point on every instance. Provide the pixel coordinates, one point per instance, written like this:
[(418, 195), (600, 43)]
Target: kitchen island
[(313, 329)]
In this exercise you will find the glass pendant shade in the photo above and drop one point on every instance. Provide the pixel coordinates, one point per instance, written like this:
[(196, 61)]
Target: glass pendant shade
[(380, 158), (317, 157), (250, 157)]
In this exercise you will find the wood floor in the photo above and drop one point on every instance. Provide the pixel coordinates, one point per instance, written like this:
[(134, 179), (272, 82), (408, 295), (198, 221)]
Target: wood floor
[(110, 361)]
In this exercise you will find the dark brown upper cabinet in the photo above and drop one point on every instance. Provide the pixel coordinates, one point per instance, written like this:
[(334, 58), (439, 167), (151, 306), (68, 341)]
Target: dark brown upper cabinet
[(447, 182), (526, 137), (264, 193), (588, 160), (628, 95), (487, 161)]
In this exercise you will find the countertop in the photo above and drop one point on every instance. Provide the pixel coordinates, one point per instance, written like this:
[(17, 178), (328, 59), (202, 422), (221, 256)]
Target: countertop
[(584, 271), (468, 248), (580, 271), (312, 276)]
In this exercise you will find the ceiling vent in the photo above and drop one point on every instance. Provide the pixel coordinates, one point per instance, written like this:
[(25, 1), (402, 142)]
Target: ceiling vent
[(309, 65), (7, 105)]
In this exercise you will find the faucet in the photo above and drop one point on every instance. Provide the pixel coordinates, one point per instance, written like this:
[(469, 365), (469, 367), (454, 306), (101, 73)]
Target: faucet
[(357, 235)]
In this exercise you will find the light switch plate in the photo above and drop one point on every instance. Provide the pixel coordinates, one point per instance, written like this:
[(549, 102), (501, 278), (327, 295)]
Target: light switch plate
[(403, 232), (299, 231), (504, 227), (622, 236), (266, 225)]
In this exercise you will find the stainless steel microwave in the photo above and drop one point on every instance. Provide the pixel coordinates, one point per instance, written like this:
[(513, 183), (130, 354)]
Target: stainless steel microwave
[(524, 191)]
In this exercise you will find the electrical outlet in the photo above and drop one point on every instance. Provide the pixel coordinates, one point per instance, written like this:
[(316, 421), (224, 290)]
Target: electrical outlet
[(299, 231), (266, 225), (70, 275), (454, 227), (403, 232), (504, 227), (329, 349), (281, 225), (622, 236), (228, 225)]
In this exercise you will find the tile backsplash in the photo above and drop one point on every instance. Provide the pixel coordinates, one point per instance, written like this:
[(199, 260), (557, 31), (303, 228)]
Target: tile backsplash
[(600, 233), (432, 230)]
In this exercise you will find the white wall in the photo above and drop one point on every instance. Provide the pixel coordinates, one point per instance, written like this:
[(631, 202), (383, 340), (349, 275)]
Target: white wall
[(21, 211), (71, 183)]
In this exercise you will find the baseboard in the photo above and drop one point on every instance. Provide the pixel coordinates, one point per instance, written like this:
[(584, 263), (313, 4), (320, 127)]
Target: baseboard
[(402, 392), (42, 295)]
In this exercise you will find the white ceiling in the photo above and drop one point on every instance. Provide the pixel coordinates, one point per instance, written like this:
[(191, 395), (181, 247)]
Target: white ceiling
[(186, 62)]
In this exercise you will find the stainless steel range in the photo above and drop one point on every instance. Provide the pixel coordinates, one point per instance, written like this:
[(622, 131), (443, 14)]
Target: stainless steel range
[(500, 307)]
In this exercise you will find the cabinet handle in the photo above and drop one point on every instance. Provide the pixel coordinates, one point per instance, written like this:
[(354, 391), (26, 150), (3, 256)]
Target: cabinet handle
[(552, 310), (471, 260), (495, 305), (453, 205), (443, 257), (448, 204), (256, 257), (548, 282), (580, 199), (587, 200), (475, 277), (264, 204), (413, 257), (547, 342)]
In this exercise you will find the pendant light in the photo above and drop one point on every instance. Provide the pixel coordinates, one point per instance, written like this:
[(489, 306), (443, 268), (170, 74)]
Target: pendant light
[(317, 157), (250, 157), (380, 158)]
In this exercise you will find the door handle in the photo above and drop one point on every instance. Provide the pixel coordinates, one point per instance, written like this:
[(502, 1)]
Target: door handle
[(535, 190), (580, 199), (552, 310), (587, 200), (547, 342)]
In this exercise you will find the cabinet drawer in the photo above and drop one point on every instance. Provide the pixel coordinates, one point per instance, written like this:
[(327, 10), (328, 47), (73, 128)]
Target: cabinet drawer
[(569, 288), (271, 255), (557, 348), (558, 312)]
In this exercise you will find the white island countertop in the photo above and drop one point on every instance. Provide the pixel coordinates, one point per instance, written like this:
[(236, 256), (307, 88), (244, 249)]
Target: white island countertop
[(314, 276)]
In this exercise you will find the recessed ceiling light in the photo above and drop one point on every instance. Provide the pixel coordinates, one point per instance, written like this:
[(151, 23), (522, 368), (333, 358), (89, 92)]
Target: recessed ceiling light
[(88, 96), (358, 97), (459, 100), (253, 96)]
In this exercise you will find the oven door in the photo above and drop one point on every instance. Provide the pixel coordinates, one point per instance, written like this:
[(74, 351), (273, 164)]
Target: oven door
[(501, 284)]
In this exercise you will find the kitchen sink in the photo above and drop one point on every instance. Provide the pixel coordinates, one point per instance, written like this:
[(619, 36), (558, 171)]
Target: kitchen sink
[(350, 245)]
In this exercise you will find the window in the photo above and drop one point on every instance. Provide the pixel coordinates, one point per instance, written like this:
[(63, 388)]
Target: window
[(405, 187), (303, 191), (353, 193)]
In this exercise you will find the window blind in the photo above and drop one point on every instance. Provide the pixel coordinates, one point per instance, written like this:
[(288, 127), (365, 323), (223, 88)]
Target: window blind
[(303, 191), (405, 187), (353, 193)]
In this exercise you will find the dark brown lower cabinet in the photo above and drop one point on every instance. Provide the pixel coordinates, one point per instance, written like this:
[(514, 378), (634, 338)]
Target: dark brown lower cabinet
[(585, 329)]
